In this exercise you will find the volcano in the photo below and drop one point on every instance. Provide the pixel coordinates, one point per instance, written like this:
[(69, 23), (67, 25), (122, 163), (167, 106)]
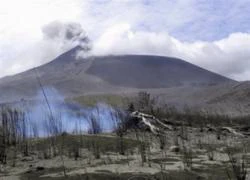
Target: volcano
[(74, 76)]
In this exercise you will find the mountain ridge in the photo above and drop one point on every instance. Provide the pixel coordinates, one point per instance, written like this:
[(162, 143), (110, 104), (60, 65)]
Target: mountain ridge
[(174, 80)]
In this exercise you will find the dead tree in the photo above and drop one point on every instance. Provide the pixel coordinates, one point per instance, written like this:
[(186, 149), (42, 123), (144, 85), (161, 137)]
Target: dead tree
[(120, 119), (3, 137), (238, 164), (94, 129)]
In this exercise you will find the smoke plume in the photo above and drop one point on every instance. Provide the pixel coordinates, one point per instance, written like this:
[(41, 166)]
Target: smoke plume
[(66, 35), (62, 116)]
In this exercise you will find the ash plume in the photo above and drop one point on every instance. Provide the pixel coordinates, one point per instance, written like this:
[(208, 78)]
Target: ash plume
[(67, 36)]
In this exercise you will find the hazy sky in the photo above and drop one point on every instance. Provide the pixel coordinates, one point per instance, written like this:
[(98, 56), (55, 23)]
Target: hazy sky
[(214, 34)]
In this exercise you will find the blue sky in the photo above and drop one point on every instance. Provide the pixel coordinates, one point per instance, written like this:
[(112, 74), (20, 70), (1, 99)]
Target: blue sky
[(188, 20), (217, 20), (214, 34)]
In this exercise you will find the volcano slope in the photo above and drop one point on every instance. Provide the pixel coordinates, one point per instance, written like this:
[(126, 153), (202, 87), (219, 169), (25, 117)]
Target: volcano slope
[(72, 75), (173, 80)]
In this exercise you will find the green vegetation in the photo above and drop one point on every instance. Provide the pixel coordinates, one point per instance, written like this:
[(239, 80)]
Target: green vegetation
[(110, 99), (106, 143)]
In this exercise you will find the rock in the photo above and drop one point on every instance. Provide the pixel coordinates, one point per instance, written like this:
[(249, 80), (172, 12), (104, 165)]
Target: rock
[(211, 129), (232, 131), (28, 171), (174, 149), (28, 158), (245, 128), (1, 168), (40, 168)]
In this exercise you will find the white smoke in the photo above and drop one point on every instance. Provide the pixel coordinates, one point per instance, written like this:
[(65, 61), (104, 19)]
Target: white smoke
[(67, 117)]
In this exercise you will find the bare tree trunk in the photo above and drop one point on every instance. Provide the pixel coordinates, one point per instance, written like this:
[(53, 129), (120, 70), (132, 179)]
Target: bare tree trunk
[(4, 135), (61, 155)]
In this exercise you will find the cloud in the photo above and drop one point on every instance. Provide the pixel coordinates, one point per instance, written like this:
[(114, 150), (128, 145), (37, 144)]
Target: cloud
[(229, 56), (212, 34), (22, 43), (57, 37)]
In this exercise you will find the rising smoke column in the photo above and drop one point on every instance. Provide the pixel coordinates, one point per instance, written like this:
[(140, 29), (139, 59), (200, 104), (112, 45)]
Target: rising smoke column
[(65, 36)]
